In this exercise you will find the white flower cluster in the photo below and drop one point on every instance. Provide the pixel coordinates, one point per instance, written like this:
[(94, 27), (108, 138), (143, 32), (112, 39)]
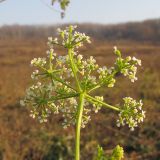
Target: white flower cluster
[(86, 68), (37, 97), (76, 40), (61, 60), (69, 114), (38, 62), (53, 64), (52, 41), (97, 106), (130, 68), (85, 65), (44, 100), (51, 54), (106, 76), (127, 66), (56, 90), (34, 75), (79, 38), (131, 113)]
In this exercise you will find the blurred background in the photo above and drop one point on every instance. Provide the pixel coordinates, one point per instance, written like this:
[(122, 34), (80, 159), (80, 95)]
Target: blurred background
[(133, 26)]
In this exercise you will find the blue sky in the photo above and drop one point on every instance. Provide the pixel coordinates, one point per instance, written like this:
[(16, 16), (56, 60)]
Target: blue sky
[(95, 11)]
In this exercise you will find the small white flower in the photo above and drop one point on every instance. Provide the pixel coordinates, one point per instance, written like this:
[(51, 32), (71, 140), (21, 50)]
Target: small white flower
[(139, 62), (50, 38), (134, 58), (55, 40), (79, 57), (38, 84), (128, 58), (135, 110), (115, 48), (22, 103)]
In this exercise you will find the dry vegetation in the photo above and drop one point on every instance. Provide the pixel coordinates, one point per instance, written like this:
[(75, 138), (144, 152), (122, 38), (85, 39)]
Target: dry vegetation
[(22, 138)]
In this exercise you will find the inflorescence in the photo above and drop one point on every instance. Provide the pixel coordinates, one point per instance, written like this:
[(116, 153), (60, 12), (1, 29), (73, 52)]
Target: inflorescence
[(58, 82)]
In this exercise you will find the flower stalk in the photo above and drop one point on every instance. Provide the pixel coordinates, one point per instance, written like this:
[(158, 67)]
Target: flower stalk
[(78, 125), (70, 52), (101, 102), (54, 90)]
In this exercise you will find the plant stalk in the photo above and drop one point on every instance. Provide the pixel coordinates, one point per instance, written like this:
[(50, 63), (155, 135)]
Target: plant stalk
[(103, 103), (73, 68), (78, 126)]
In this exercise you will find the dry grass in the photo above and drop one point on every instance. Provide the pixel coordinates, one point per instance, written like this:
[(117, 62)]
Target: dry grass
[(23, 138)]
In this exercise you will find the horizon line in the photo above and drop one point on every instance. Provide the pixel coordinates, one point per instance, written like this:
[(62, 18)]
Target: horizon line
[(80, 23)]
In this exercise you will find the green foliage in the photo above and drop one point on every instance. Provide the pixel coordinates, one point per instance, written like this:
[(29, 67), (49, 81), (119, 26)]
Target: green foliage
[(100, 154), (63, 4), (117, 154)]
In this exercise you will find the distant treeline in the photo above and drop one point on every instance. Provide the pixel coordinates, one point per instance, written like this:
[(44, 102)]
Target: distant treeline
[(137, 31)]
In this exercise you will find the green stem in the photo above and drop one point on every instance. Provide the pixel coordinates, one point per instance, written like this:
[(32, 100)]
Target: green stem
[(63, 97), (96, 87), (73, 68), (61, 81), (78, 126), (100, 84), (101, 102), (50, 61)]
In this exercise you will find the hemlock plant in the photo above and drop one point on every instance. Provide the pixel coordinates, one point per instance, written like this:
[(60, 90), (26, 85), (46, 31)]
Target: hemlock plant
[(64, 85)]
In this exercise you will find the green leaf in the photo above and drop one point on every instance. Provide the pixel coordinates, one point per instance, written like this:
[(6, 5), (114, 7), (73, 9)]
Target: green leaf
[(117, 154), (117, 52), (64, 4), (100, 154)]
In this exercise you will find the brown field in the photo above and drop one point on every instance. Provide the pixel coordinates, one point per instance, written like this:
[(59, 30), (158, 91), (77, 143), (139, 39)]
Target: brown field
[(22, 138)]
